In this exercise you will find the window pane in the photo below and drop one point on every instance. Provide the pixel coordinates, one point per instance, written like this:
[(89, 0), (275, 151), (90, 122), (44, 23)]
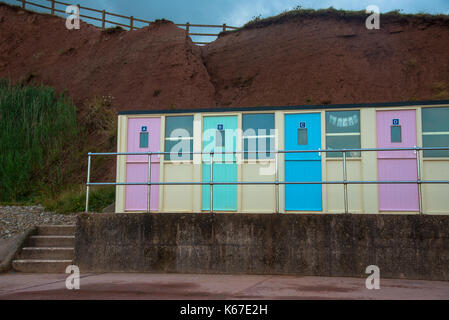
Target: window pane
[(178, 126), (143, 140), (342, 121), (435, 119), (343, 142), (263, 146), (396, 134), (179, 122), (178, 146), (440, 140), (220, 138), (302, 136), (258, 121), (255, 125)]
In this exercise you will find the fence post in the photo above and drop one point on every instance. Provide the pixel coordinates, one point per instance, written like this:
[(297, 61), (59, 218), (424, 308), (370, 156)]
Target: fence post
[(103, 19), (52, 7), (224, 27), (211, 182), (418, 175), (23, 4), (188, 28), (131, 24), (88, 181), (345, 185), (149, 183)]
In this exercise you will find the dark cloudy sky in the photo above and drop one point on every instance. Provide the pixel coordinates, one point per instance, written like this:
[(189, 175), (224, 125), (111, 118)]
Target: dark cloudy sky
[(238, 12)]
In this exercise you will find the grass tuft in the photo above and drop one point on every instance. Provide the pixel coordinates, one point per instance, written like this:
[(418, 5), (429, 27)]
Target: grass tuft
[(299, 12), (36, 126)]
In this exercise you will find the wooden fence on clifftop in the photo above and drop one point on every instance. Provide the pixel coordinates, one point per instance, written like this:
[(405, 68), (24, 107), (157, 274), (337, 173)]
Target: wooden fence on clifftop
[(134, 23)]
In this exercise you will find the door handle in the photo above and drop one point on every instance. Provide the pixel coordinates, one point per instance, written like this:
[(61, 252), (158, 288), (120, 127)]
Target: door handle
[(414, 151), (319, 152)]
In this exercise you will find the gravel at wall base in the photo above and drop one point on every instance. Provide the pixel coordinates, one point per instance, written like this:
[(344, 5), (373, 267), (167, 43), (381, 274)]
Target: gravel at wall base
[(16, 219)]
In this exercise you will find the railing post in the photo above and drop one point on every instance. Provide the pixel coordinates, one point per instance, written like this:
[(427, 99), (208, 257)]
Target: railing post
[(23, 4), (52, 7), (211, 182), (345, 185), (88, 181), (149, 183), (188, 28), (103, 19), (131, 23), (418, 175), (224, 27), (276, 177)]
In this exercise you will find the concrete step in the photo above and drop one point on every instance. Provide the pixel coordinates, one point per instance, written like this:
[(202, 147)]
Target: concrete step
[(41, 266), (52, 241), (43, 253), (56, 230)]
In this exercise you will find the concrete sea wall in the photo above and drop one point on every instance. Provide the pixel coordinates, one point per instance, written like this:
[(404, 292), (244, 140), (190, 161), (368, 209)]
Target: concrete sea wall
[(402, 246)]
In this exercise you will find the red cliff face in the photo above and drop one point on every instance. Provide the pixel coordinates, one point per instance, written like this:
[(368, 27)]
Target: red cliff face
[(319, 60), (154, 67), (294, 61)]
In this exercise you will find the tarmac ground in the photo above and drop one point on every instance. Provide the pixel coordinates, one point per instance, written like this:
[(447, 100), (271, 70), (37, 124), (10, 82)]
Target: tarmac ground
[(138, 286)]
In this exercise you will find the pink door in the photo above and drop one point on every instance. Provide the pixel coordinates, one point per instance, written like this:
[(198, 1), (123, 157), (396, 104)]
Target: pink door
[(143, 136), (397, 129)]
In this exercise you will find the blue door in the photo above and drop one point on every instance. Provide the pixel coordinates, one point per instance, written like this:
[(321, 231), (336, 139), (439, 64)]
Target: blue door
[(303, 132), (219, 135)]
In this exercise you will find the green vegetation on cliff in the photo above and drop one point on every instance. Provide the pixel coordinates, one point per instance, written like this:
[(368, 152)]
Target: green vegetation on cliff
[(44, 144)]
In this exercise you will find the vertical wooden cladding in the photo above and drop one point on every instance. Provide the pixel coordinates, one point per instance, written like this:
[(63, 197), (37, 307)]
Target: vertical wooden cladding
[(343, 130), (303, 132), (220, 135), (435, 133), (397, 129), (178, 166), (368, 127), (143, 136), (258, 136)]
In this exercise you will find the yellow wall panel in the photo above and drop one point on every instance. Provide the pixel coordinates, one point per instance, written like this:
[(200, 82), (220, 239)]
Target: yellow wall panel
[(121, 164), (178, 198), (368, 139), (335, 193), (436, 196), (258, 198)]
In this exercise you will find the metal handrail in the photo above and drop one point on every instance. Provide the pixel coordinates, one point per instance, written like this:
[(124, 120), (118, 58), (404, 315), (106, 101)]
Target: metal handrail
[(276, 182), (271, 151)]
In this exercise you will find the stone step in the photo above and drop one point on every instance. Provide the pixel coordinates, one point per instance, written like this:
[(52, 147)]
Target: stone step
[(56, 230), (41, 266), (45, 253), (51, 241)]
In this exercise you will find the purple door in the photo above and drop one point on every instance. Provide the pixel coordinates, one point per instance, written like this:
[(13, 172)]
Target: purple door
[(397, 129), (143, 136)]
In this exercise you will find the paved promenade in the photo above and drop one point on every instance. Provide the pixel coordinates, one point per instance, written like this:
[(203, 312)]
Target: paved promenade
[(200, 287)]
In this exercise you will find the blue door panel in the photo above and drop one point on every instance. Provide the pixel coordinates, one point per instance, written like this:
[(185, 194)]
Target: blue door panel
[(305, 197), (311, 122), (303, 166), (225, 167), (225, 196)]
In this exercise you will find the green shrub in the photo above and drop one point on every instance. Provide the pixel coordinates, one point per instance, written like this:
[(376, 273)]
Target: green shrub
[(37, 127), (74, 199)]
